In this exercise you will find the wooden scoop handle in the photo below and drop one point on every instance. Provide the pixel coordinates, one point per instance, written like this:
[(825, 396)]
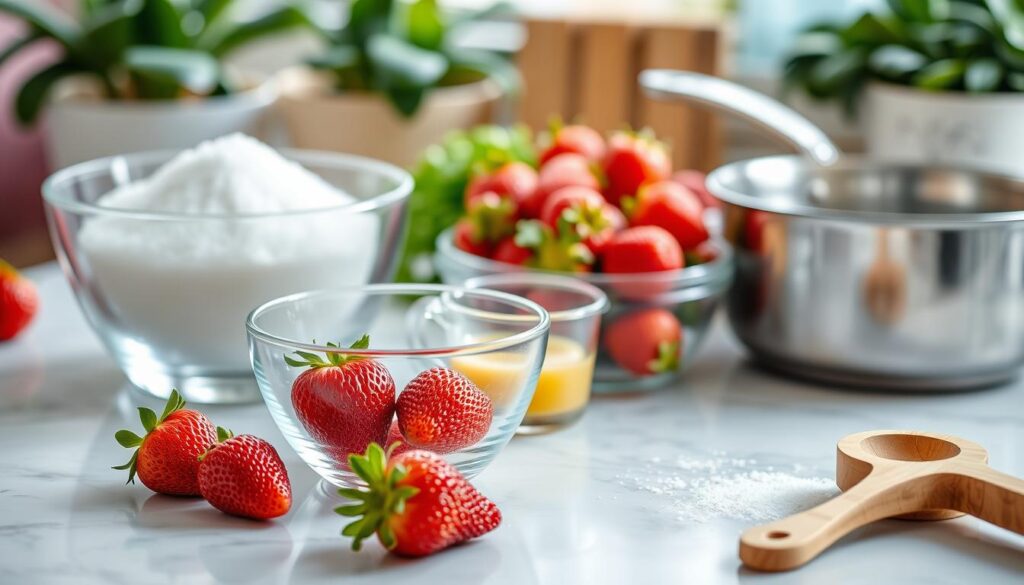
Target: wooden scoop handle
[(990, 495), (792, 541)]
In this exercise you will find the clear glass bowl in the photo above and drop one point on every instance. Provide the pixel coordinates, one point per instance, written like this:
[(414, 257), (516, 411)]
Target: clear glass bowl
[(575, 307), (691, 295), (444, 327), (168, 293)]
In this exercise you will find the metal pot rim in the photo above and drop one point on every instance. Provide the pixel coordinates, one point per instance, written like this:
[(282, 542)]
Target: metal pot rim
[(717, 184)]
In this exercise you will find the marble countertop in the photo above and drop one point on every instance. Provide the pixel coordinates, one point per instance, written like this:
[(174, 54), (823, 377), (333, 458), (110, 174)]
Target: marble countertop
[(647, 488)]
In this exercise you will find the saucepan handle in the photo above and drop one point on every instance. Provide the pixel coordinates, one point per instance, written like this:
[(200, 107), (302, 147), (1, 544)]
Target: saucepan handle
[(733, 98)]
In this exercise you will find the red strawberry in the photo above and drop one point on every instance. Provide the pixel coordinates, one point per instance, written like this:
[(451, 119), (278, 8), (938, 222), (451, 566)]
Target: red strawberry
[(344, 402), (645, 342), (441, 410), (642, 249), (396, 443), (633, 160), (416, 503), (19, 301), (552, 250), (564, 170), (511, 253), (516, 179), (577, 139), (492, 216), (696, 181), (244, 476), (584, 213), (702, 254), (466, 239), (669, 205), (167, 458)]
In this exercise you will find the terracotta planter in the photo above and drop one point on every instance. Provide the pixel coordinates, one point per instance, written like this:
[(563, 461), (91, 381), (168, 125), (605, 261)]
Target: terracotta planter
[(317, 117), (904, 124), (80, 126)]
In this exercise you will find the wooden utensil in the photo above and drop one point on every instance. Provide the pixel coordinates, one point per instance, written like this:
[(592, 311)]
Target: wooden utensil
[(905, 474)]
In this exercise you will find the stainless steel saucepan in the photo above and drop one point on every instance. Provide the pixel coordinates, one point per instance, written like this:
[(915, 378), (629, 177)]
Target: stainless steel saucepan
[(861, 272)]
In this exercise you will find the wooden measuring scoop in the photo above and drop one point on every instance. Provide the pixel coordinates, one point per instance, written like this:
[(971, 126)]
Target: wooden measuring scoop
[(906, 474)]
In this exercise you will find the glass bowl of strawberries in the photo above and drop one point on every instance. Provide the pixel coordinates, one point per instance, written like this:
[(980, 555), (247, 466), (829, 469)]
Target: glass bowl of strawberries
[(612, 213), (390, 364)]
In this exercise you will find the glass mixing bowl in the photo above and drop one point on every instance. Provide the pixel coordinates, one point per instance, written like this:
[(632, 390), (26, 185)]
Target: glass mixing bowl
[(445, 327), (168, 293), (686, 298)]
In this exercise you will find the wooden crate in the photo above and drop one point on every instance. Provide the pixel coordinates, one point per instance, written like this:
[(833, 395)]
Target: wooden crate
[(586, 71)]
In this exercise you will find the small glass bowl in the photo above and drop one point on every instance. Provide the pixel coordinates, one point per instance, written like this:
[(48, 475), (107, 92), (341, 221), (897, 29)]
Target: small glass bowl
[(689, 295), (575, 307), (167, 293), (444, 325)]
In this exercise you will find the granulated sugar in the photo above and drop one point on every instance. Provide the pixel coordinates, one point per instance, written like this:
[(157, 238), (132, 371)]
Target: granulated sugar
[(700, 490)]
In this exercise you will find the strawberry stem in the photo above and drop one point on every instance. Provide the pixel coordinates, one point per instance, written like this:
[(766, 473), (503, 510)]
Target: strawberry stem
[(374, 506), (668, 358), (313, 361), (150, 422)]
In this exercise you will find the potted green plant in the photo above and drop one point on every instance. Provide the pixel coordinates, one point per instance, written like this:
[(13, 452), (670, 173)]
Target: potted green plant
[(391, 82), (937, 80), (141, 74)]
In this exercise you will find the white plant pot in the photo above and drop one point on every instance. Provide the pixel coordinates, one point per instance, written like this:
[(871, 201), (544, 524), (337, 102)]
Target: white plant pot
[(908, 125), (317, 117), (80, 128)]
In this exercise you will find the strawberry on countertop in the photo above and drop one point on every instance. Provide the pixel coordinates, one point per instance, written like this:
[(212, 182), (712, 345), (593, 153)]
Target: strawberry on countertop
[(166, 458), (443, 411), (416, 503), (19, 301), (344, 401), (244, 476)]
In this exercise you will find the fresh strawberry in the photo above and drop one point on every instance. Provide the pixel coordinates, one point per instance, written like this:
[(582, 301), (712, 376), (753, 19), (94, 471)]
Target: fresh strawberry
[(443, 411), (645, 342), (673, 207), (585, 213), (705, 252), (642, 249), (396, 443), (695, 181), (416, 503), (509, 252), (493, 216), (345, 402), (577, 139), (515, 179), (466, 238), (564, 170), (19, 301), (166, 458), (244, 476), (633, 160), (552, 250)]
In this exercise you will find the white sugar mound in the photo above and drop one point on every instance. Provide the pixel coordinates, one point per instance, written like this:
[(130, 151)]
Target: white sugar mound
[(702, 490), (232, 175), (182, 285)]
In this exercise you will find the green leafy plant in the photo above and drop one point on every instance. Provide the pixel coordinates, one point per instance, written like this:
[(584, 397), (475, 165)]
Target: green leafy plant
[(140, 49), (441, 177), (405, 49), (938, 45)]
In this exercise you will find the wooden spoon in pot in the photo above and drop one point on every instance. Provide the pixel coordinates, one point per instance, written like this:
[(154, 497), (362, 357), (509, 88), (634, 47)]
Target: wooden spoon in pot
[(905, 474)]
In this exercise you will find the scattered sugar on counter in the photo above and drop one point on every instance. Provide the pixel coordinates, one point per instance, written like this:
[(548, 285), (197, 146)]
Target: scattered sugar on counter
[(187, 283), (699, 490)]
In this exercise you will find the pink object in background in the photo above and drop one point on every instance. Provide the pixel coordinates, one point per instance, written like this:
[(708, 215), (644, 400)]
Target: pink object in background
[(22, 162)]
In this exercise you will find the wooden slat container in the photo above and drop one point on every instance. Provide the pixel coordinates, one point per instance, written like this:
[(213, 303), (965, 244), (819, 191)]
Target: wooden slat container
[(586, 71)]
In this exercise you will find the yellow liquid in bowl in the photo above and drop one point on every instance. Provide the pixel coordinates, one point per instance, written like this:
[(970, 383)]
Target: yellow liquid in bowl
[(563, 386)]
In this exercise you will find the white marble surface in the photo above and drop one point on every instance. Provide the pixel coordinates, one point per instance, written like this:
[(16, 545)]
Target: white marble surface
[(579, 505)]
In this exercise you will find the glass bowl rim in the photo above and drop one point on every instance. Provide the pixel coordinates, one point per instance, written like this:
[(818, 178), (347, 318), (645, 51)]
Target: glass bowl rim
[(405, 289), (598, 305), (719, 269), (401, 191)]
